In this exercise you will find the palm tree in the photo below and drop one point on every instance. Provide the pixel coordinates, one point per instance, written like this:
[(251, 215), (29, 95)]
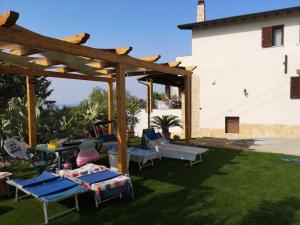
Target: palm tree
[(132, 111), (165, 122)]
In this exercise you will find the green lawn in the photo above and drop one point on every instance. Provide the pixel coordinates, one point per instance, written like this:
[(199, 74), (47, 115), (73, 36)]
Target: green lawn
[(230, 187)]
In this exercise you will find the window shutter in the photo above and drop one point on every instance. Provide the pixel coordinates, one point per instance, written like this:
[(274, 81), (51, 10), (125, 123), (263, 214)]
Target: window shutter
[(232, 125), (295, 87), (267, 37)]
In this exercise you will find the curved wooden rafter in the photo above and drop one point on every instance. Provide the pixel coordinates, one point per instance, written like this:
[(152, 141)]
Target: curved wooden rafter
[(42, 73), (75, 39), (8, 19)]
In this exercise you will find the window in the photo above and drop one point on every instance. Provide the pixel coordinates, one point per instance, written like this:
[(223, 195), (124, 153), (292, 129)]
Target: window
[(232, 125), (272, 36), (295, 87)]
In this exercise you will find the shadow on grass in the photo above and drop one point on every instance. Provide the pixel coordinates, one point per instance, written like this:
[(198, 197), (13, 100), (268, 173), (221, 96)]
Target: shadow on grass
[(5, 209), (178, 172), (274, 213), (171, 192), (179, 207)]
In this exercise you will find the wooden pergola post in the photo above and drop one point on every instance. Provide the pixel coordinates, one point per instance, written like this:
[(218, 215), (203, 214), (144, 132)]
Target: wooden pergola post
[(150, 96), (149, 101), (188, 112), (121, 118), (110, 106), (31, 104)]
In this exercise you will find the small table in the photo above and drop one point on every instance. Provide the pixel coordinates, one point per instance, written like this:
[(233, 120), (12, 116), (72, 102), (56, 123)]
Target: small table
[(59, 151), (4, 188)]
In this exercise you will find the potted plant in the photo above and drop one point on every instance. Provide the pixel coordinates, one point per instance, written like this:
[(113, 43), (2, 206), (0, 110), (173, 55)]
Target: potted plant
[(165, 123), (132, 111)]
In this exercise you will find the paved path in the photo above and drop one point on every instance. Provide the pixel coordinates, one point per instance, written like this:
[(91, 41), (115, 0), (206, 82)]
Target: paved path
[(289, 146)]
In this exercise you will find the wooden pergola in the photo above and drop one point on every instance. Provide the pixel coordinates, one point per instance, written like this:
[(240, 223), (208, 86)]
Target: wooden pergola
[(24, 52)]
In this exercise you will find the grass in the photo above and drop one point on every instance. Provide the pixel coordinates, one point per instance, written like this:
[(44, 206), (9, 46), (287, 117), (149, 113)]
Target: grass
[(230, 187)]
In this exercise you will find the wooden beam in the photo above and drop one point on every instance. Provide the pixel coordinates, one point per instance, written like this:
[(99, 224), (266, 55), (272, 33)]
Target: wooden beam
[(38, 73), (75, 39), (49, 44), (121, 119), (71, 60), (100, 64), (31, 104), (78, 39), (110, 106), (64, 69), (19, 61), (187, 109), (172, 64), (43, 61), (143, 72), (131, 69), (74, 62), (152, 58), (120, 51), (188, 68), (8, 19)]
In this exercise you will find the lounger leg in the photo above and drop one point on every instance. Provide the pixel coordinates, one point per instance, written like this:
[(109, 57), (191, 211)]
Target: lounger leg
[(17, 194), (131, 190), (140, 166), (45, 213), (76, 203), (96, 200)]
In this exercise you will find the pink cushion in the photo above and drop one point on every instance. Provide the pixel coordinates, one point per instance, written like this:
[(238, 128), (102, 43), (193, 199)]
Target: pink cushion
[(87, 157)]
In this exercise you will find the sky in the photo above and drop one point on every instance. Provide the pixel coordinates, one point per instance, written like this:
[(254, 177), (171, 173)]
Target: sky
[(150, 27)]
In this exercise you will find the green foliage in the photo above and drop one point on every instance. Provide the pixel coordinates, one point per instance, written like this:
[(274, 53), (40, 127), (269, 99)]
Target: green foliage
[(15, 86), (54, 122), (57, 123), (158, 96), (165, 122), (14, 119), (133, 109)]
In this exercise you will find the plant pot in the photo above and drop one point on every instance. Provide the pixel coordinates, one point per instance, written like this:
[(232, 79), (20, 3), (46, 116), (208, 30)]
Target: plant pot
[(129, 133), (167, 134), (105, 130)]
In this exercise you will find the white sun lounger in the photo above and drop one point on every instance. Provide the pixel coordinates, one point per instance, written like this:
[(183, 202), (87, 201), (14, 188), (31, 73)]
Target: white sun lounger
[(158, 143)]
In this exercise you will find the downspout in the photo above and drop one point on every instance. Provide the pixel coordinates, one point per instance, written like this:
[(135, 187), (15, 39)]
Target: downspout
[(148, 101)]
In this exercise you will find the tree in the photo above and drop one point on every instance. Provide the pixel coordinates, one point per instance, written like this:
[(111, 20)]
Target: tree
[(132, 111), (15, 86), (165, 122), (158, 96)]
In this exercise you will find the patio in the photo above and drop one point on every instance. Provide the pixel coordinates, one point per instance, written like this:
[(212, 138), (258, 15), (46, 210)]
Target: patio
[(222, 190)]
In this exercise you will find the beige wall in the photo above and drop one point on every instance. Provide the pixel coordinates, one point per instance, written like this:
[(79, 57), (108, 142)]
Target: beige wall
[(232, 57)]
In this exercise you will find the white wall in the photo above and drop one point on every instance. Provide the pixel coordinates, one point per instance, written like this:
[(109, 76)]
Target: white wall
[(232, 56), (143, 117)]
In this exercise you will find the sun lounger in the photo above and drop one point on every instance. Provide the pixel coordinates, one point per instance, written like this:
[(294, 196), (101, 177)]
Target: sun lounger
[(156, 142), (144, 157), (48, 188), (105, 183)]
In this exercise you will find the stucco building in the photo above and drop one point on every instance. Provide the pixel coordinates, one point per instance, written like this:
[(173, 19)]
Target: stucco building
[(246, 83)]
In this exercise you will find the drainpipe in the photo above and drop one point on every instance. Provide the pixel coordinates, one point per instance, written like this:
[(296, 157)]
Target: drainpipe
[(148, 101)]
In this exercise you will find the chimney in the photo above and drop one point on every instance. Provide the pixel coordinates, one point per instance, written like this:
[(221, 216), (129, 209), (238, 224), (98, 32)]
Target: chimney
[(201, 11)]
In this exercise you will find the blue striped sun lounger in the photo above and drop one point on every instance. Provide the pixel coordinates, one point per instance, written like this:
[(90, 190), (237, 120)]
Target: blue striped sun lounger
[(106, 184), (49, 189)]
